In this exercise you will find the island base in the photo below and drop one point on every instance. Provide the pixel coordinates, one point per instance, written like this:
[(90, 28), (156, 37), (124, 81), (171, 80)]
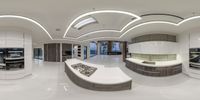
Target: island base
[(94, 86)]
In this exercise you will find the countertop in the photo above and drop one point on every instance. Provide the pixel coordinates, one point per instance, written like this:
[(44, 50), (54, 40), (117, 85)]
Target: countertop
[(102, 75), (157, 63), (13, 58)]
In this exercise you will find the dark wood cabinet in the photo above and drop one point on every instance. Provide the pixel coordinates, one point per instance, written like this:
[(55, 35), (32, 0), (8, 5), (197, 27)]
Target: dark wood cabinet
[(154, 71), (52, 52), (154, 37)]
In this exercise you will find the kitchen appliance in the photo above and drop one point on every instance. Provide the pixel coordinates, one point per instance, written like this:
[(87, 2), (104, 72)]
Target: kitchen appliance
[(195, 58), (14, 58)]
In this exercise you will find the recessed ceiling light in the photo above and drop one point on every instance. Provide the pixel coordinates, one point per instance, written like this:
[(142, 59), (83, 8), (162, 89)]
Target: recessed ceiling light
[(84, 23), (58, 29)]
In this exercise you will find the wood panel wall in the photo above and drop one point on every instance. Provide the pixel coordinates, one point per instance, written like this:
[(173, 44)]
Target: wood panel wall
[(52, 52)]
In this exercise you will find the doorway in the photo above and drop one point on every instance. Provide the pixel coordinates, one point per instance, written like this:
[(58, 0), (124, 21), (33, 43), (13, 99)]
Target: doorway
[(103, 48), (38, 53)]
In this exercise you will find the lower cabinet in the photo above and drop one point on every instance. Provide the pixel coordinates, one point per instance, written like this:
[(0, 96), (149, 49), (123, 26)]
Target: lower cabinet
[(154, 71)]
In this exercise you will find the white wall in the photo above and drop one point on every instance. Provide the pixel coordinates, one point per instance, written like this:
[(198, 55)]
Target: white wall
[(187, 41), (11, 39), (154, 47), (183, 40), (17, 39)]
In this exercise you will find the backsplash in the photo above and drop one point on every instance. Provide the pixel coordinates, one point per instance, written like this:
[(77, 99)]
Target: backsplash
[(154, 57)]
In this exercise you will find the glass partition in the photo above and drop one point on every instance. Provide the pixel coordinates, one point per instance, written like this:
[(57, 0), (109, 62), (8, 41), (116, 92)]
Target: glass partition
[(38, 53), (103, 48)]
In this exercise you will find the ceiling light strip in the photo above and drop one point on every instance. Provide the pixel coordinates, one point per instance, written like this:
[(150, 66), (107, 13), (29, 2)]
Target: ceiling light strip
[(161, 22), (97, 12), (162, 14), (147, 23), (84, 23), (28, 19)]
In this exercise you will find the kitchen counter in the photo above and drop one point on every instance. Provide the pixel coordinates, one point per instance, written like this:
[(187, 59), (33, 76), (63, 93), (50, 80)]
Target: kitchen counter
[(103, 79), (160, 68), (157, 63)]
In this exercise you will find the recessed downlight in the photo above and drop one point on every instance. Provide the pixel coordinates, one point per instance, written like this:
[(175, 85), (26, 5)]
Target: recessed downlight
[(58, 29)]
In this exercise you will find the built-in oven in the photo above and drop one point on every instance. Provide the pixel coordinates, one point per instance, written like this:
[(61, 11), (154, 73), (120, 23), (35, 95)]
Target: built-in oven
[(195, 58), (2, 55), (14, 58), (15, 52)]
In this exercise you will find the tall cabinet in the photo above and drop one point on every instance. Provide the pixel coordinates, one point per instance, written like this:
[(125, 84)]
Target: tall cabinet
[(52, 52), (12, 39)]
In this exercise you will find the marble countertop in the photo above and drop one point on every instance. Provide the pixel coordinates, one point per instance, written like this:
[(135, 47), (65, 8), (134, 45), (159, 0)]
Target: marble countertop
[(157, 63), (102, 75)]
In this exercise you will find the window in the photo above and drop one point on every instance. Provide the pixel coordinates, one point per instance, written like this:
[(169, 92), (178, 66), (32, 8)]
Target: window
[(116, 47), (93, 49)]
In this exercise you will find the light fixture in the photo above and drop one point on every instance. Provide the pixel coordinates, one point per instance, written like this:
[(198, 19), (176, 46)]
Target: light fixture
[(84, 23), (28, 19), (142, 24), (102, 11), (161, 22), (147, 23)]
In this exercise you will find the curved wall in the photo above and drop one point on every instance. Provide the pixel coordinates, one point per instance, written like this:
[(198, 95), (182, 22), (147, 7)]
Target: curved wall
[(17, 39)]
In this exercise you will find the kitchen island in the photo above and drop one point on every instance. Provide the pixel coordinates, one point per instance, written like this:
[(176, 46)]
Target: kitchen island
[(101, 78)]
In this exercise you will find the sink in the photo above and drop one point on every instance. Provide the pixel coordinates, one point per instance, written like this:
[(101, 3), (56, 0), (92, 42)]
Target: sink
[(149, 62)]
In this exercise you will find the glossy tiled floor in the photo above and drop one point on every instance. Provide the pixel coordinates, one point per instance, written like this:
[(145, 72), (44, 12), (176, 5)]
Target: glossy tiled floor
[(49, 82)]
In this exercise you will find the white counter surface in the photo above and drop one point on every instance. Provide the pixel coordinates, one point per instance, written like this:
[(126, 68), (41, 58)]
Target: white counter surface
[(10, 58), (157, 63), (102, 75)]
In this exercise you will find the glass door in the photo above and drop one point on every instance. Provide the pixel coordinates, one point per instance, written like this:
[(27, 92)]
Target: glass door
[(38, 53), (104, 48)]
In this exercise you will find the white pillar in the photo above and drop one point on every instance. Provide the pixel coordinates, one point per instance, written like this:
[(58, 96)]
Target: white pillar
[(98, 47)]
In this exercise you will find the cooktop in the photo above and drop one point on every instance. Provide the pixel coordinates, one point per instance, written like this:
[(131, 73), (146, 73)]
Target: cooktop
[(84, 69)]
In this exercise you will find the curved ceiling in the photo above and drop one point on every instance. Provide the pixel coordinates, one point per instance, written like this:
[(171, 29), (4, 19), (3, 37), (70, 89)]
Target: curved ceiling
[(109, 20), (56, 16)]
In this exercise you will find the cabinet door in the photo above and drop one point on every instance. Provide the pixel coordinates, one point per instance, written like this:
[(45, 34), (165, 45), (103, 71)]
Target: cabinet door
[(14, 39), (52, 52)]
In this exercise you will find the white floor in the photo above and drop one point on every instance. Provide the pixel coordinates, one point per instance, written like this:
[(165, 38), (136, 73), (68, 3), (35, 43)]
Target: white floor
[(49, 82)]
